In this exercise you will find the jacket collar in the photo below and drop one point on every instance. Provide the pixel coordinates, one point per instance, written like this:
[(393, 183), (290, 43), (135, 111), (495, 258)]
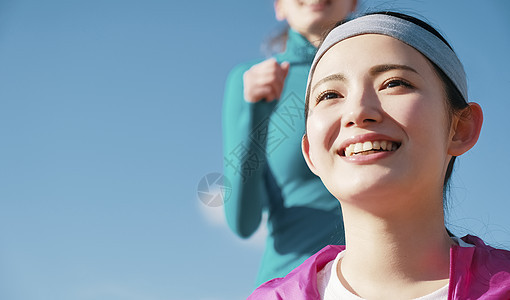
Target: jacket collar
[(298, 49), (475, 272)]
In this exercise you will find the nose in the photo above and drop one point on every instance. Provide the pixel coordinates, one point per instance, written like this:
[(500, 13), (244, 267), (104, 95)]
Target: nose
[(362, 109)]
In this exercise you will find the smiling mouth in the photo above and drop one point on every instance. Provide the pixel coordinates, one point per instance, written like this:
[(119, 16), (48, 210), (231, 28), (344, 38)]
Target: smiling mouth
[(314, 2), (369, 147)]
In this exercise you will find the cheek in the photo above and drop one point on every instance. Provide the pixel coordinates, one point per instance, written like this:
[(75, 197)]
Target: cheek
[(405, 109), (315, 139), (423, 120), (323, 128)]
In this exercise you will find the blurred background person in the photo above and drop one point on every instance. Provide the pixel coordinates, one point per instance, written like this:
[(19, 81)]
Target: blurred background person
[(263, 124)]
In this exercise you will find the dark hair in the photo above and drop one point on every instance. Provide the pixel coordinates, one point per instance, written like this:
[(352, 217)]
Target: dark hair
[(455, 101)]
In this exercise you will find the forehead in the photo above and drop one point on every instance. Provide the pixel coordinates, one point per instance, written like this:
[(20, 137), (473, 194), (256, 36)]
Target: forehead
[(360, 53)]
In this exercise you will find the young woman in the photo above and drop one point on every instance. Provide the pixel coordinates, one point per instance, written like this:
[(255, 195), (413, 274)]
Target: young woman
[(386, 117), (262, 138)]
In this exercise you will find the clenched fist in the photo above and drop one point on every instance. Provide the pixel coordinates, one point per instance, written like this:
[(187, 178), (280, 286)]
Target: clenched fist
[(264, 81)]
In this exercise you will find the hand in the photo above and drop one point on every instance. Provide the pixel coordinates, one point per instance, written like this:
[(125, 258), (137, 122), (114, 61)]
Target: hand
[(264, 81)]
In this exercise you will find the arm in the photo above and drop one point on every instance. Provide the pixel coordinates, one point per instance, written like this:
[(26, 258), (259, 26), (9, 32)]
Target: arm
[(244, 128)]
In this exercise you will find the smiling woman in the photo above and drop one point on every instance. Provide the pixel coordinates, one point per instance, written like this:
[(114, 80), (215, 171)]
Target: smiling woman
[(390, 97), (386, 117)]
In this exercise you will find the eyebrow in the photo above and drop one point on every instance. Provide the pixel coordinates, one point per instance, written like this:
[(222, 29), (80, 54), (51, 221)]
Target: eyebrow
[(336, 77), (374, 71)]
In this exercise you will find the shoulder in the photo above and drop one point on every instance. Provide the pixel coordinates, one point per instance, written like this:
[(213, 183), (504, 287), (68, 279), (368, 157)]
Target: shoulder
[(300, 283)]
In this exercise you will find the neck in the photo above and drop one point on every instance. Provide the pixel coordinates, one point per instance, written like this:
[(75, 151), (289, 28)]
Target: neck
[(314, 39), (313, 35), (407, 253)]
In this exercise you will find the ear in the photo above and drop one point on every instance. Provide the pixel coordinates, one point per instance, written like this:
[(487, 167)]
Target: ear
[(305, 148), (279, 11), (466, 129)]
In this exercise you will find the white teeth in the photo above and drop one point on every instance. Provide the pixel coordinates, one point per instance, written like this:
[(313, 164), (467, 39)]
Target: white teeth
[(367, 146), (356, 148), (349, 150), (312, 2)]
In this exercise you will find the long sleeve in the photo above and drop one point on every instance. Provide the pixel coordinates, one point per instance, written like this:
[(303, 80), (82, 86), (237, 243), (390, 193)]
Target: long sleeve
[(244, 160), (264, 163)]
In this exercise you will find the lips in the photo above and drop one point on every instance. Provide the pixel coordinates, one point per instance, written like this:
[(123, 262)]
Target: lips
[(312, 2), (315, 4), (369, 147)]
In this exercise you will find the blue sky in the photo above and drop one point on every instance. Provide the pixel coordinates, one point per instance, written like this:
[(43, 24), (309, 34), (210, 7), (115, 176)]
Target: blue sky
[(110, 114)]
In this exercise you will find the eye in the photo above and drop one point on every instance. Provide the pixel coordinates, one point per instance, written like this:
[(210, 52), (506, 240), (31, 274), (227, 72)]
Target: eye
[(393, 83), (327, 95)]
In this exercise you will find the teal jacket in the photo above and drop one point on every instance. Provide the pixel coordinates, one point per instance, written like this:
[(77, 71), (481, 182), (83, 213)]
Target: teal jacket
[(264, 163)]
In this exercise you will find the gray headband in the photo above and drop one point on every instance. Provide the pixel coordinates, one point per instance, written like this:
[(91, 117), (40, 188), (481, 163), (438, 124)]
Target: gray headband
[(413, 35)]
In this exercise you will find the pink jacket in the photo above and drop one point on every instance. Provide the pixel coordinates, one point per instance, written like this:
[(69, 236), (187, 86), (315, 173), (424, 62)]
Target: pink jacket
[(479, 272)]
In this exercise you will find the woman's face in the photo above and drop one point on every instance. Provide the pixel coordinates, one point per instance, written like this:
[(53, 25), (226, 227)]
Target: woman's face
[(307, 16), (378, 122)]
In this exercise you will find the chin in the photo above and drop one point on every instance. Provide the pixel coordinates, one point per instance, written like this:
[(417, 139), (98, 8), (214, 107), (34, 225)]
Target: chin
[(360, 188)]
